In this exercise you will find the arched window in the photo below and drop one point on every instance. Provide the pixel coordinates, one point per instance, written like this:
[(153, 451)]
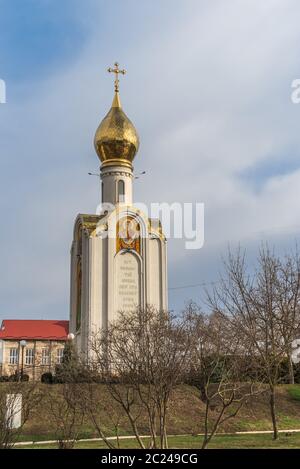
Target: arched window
[(121, 191)]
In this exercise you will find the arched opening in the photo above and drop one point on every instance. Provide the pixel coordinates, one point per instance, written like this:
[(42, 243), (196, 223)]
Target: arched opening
[(121, 191)]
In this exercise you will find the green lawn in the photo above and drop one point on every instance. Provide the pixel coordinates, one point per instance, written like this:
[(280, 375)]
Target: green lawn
[(294, 392), (262, 441), (185, 417)]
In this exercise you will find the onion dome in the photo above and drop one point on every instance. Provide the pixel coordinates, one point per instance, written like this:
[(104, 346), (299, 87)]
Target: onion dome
[(116, 140)]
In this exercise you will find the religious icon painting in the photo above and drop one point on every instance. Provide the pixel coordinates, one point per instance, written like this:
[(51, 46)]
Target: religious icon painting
[(128, 234)]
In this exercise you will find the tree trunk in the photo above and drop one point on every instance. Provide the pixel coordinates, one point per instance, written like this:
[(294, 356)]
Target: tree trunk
[(291, 370), (273, 413), (205, 437), (152, 426)]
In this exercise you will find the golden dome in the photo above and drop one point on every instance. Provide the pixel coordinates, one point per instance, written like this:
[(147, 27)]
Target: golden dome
[(116, 140)]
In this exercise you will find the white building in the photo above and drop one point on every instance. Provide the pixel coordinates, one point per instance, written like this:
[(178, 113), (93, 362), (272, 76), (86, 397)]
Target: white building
[(118, 258)]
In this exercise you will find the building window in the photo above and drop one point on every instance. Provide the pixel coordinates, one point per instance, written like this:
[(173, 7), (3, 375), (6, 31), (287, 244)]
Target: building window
[(13, 356), (60, 354), (121, 191), (45, 356), (29, 356)]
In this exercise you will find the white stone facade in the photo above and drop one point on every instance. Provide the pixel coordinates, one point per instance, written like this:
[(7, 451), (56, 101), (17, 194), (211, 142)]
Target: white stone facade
[(106, 279)]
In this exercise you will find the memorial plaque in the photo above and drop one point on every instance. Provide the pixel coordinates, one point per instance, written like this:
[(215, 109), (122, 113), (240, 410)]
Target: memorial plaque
[(128, 282)]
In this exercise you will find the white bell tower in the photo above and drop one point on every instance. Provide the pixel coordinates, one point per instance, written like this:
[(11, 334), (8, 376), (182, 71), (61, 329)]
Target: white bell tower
[(118, 258)]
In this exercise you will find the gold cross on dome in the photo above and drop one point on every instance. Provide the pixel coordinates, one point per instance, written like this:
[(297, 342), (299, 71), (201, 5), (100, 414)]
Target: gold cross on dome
[(116, 70)]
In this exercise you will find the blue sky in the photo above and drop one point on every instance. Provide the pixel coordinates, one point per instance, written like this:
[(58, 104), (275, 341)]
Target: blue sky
[(208, 88), (38, 36)]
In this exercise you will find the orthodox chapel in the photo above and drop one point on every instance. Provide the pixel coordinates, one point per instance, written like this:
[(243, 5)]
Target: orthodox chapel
[(118, 256)]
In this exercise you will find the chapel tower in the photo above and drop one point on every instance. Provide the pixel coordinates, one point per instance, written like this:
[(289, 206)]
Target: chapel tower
[(118, 257)]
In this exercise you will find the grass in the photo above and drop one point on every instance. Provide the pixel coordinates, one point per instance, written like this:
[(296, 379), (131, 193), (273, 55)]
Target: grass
[(294, 391), (264, 441), (186, 416)]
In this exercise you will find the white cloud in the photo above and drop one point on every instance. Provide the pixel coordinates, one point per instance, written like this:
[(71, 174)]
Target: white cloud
[(210, 95)]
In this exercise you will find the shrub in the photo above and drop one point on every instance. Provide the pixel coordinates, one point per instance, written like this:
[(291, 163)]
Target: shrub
[(47, 378), (4, 379), (18, 377)]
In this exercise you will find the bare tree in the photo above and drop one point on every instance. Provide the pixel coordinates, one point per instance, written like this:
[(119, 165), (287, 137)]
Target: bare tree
[(63, 405), (219, 367), (142, 357), (288, 304), (256, 307), (23, 398), (97, 403)]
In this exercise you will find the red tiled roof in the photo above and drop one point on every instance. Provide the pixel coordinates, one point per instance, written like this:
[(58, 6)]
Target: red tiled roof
[(34, 329)]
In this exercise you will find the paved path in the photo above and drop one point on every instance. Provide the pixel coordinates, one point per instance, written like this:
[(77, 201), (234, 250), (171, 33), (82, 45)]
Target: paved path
[(258, 432), (129, 437), (47, 442)]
